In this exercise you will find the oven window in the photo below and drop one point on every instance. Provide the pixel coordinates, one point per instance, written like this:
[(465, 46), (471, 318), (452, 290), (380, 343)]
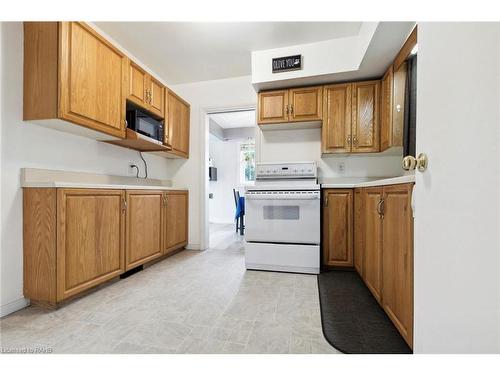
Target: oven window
[(281, 213)]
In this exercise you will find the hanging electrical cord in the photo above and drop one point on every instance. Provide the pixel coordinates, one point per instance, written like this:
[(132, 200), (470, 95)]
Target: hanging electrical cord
[(145, 166)]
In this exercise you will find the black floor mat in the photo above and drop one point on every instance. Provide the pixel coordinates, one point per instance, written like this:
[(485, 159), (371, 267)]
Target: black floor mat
[(353, 322)]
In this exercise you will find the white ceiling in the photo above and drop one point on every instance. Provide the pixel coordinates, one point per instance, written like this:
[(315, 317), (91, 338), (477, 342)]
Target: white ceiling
[(181, 52), (231, 120)]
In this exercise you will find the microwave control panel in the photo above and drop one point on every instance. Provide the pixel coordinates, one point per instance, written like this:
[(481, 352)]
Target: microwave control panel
[(286, 170)]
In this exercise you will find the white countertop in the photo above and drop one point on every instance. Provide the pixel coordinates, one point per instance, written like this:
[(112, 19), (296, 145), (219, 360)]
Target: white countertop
[(46, 178), (365, 182), (82, 185)]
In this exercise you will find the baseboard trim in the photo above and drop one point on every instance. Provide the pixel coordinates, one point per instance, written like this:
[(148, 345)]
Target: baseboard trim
[(13, 306), (193, 246)]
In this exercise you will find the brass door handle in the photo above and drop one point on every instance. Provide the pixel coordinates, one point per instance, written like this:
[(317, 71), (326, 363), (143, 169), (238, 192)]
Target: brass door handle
[(286, 109), (349, 139), (291, 109), (420, 163), (355, 141)]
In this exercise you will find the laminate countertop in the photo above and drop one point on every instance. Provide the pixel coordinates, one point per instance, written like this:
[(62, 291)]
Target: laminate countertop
[(347, 183), (46, 178)]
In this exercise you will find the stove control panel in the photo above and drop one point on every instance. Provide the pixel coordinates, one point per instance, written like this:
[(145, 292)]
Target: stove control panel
[(286, 170)]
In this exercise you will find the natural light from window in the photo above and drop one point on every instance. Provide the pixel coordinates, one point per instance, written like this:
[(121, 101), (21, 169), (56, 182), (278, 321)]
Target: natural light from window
[(247, 162)]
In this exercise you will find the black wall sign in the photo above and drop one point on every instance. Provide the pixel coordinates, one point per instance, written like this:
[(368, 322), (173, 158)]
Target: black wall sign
[(287, 63)]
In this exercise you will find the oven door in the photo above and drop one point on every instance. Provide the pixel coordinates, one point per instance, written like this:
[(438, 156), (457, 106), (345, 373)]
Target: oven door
[(283, 216)]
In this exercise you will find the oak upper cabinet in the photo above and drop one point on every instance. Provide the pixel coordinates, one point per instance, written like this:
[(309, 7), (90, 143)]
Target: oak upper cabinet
[(392, 107), (397, 266), (176, 220), (293, 105), (273, 107), (177, 125), (144, 226), (74, 74), (359, 229), (365, 116), (336, 129), (386, 104), (145, 90), (306, 104), (338, 227), (156, 97), (137, 85), (372, 256)]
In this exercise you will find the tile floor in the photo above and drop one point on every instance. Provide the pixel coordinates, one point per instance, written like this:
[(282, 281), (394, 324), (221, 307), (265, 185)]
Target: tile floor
[(192, 302)]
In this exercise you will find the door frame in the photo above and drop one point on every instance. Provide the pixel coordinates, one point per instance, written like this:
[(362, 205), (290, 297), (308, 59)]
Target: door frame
[(204, 155)]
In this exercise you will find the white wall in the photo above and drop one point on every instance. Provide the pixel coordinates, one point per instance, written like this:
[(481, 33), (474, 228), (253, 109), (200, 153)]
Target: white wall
[(457, 245), (319, 58), (305, 145), (225, 157), (205, 96), (29, 145)]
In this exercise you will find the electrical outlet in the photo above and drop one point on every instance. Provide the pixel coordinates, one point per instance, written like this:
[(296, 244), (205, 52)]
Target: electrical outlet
[(341, 167), (132, 169)]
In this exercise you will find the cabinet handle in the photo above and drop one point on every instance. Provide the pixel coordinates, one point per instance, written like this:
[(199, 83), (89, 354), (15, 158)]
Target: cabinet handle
[(286, 109), (380, 208), (355, 141), (348, 139), (291, 109), (325, 201), (124, 205)]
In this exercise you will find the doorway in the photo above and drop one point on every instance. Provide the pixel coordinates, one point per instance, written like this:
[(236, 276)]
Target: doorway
[(231, 167)]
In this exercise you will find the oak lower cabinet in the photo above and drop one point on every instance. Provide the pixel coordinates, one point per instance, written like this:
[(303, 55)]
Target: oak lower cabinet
[(177, 126), (76, 239), (387, 257), (337, 238), (372, 256), (176, 220), (72, 73), (73, 240), (397, 260), (359, 232), (144, 226)]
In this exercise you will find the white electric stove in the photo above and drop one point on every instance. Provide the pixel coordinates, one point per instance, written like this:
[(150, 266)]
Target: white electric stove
[(282, 229)]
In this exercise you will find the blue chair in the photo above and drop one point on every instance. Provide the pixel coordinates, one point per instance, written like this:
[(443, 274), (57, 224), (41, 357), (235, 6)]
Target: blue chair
[(239, 215)]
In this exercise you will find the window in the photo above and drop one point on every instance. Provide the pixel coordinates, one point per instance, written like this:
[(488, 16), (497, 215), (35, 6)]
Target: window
[(247, 162)]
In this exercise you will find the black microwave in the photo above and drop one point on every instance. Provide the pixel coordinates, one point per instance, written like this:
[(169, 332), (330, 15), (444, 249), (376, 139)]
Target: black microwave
[(144, 124)]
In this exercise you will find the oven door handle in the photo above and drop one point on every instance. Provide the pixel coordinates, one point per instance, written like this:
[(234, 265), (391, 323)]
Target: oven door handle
[(276, 197)]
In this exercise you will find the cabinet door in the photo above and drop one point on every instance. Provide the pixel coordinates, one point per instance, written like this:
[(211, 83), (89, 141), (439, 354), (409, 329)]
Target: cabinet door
[(306, 104), (157, 97), (178, 125), (273, 107), (144, 223), (337, 227), (336, 129), (359, 219), (176, 220), (397, 290), (398, 109), (92, 75), (137, 85), (372, 257), (90, 241), (365, 116), (386, 95)]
